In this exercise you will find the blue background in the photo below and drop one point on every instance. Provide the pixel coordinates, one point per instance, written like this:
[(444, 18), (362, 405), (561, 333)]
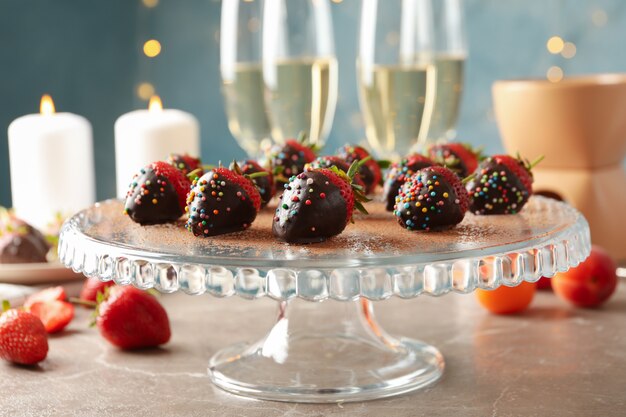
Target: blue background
[(88, 55)]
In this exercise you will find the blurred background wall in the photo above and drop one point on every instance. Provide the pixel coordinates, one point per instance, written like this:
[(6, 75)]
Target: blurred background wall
[(89, 56)]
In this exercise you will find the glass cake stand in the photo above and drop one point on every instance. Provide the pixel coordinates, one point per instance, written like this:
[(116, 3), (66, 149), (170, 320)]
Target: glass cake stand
[(326, 345)]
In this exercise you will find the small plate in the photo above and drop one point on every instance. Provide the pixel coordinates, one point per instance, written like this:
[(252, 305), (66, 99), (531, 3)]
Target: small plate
[(36, 273)]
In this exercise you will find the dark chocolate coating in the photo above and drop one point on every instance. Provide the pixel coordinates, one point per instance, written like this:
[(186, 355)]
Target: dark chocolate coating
[(291, 159), (24, 244), (265, 184), (365, 173), (443, 155), (297, 221), (159, 205), (182, 163), (491, 192), (421, 208), (211, 215), (396, 176)]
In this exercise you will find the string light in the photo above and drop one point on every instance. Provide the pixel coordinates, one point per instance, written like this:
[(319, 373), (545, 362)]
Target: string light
[(599, 17), (555, 45), (145, 91), (569, 50), (152, 48), (554, 74)]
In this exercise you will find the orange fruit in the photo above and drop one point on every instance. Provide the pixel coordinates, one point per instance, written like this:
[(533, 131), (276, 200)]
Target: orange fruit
[(507, 300)]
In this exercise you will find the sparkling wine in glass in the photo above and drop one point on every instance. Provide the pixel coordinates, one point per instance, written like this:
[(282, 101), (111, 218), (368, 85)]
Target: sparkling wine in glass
[(450, 55), (242, 74), (299, 68), (396, 74)]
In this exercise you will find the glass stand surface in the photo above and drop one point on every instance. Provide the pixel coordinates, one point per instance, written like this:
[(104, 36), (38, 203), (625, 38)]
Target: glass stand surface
[(326, 352), (326, 345)]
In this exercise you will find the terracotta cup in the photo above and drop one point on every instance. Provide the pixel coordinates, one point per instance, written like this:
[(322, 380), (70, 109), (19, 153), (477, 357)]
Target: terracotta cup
[(579, 125), (579, 122)]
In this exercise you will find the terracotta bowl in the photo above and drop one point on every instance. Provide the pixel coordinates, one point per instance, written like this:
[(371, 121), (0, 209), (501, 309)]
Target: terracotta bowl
[(579, 122)]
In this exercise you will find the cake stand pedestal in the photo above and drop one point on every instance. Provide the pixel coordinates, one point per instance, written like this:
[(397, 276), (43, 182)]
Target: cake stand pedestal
[(326, 345)]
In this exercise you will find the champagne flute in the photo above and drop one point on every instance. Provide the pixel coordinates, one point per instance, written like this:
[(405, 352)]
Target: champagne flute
[(450, 55), (299, 68), (242, 76), (396, 74)]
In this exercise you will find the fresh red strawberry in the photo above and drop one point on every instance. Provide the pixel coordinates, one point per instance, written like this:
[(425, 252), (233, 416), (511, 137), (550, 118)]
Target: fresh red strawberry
[(91, 288), (130, 318), (369, 172), (222, 201), (459, 157), (157, 194), (23, 338), (399, 172), (317, 204), (185, 163), (502, 184), (433, 198), (288, 160), (329, 161), (46, 295), (54, 314), (264, 184)]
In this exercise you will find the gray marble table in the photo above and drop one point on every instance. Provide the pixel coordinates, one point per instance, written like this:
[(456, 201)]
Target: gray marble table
[(552, 361)]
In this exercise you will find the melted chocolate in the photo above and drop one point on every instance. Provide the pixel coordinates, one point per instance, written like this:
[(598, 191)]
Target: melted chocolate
[(428, 202), (396, 177), (265, 184), (310, 210), (218, 206), (495, 190), (152, 199)]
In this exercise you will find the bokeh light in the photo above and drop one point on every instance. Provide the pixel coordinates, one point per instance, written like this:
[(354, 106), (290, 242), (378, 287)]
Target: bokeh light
[(555, 45), (554, 74), (145, 91), (152, 48)]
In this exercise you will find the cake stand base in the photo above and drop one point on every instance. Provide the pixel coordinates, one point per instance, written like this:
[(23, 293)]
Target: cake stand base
[(326, 352)]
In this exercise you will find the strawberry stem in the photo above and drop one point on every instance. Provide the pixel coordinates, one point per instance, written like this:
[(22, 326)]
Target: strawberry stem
[(468, 178), (82, 302), (535, 162), (257, 175), (194, 174)]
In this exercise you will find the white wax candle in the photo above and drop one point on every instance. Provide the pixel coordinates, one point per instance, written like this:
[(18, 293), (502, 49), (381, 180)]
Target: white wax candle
[(51, 165), (146, 136)]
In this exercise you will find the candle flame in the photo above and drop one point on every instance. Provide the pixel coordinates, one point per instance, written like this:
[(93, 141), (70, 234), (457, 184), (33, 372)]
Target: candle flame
[(47, 105), (155, 104)]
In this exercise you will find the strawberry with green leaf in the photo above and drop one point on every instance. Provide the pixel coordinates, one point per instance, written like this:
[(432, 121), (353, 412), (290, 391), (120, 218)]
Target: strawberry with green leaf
[(318, 204)]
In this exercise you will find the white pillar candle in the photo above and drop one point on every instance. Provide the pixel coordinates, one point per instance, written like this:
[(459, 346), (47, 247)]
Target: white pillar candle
[(51, 165), (146, 136)]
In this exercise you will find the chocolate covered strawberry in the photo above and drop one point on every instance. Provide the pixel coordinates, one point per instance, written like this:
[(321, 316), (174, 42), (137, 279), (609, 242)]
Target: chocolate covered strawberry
[(20, 242), (370, 171), (290, 158), (185, 163), (459, 157), (433, 198), (265, 184), (329, 161), (222, 201), (398, 173), (501, 184), (157, 194), (317, 204)]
